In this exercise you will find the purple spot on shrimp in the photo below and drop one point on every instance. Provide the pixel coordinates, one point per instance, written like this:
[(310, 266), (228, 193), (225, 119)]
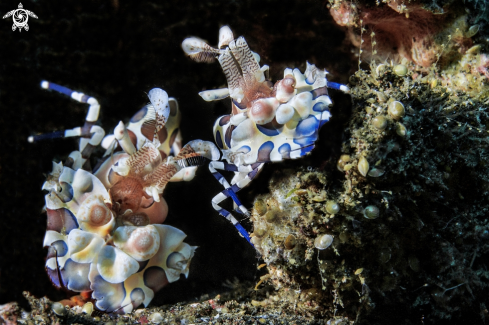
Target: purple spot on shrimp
[(244, 149), (224, 120), (229, 132), (253, 173), (267, 131), (61, 220), (75, 276), (54, 276), (255, 165), (264, 151), (109, 296), (319, 92), (238, 105), (155, 278), (284, 150), (137, 297), (60, 248), (66, 194), (85, 98)]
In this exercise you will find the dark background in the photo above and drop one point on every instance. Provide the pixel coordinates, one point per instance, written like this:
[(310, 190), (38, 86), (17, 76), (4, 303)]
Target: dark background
[(116, 52)]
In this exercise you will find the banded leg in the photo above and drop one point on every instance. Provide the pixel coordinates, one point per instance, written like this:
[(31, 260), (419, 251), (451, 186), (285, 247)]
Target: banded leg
[(194, 154), (242, 179), (90, 134), (230, 191), (222, 165), (334, 85)]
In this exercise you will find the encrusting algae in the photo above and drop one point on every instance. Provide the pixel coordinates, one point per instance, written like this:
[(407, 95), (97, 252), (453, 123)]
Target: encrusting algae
[(411, 216)]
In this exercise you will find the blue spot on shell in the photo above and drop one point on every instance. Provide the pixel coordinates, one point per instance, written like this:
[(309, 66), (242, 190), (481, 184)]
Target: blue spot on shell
[(137, 297), (264, 151), (75, 276), (306, 132), (267, 131), (66, 194), (61, 248), (238, 105), (284, 150), (109, 296), (320, 106), (306, 141), (309, 79), (244, 149), (139, 115), (307, 127), (219, 140)]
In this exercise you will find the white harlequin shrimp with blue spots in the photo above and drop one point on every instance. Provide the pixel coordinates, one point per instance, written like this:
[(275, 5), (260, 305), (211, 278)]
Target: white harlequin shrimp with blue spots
[(104, 231), (268, 123)]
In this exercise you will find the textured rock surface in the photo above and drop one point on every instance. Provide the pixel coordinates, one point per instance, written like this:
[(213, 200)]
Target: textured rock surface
[(412, 233)]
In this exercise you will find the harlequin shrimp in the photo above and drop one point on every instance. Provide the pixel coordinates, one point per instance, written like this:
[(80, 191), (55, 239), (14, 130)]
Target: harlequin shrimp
[(104, 231), (268, 123)]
